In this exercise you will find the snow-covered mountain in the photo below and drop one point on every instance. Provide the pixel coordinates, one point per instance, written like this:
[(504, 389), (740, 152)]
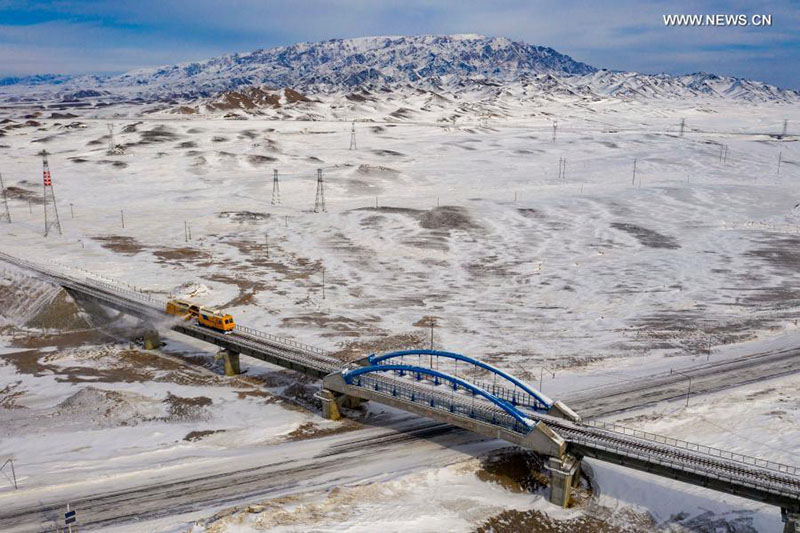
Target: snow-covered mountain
[(448, 64)]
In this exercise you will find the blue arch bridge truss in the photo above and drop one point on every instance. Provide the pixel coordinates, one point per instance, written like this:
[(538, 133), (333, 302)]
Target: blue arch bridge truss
[(501, 389)]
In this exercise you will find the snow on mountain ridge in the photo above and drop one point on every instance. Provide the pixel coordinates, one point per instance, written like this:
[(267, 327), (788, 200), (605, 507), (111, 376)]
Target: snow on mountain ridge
[(443, 63)]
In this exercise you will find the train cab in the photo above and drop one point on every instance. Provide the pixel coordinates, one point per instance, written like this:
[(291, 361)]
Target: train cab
[(211, 318)]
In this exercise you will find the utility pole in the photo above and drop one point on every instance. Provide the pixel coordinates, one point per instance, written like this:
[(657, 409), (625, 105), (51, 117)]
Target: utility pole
[(122, 217), (633, 181), (689, 391), (432, 324), (266, 242), (562, 168), (780, 158), (51, 219), (71, 211), (353, 137), (555, 127), (319, 202), (541, 376), (276, 188), (683, 125), (785, 126), (5, 214), (323, 283)]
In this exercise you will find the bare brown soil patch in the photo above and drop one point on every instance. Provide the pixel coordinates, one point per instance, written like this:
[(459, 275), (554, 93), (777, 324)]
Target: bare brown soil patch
[(625, 521), (18, 193), (181, 254), (354, 350), (515, 469), (447, 218), (309, 430), (61, 313), (187, 408), (120, 244), (194, 436)]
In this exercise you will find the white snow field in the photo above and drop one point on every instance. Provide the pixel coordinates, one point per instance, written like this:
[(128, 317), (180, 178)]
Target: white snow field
[(595, 275)]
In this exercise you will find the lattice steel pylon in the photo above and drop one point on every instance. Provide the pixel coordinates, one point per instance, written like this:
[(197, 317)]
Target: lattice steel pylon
[(5, 214), (319, 202), (110, 138), (276, 188), (51, 219), (353, 137)]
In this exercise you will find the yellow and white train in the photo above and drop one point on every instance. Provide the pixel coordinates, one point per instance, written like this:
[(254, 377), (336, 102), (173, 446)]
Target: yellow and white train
[(205, 316)]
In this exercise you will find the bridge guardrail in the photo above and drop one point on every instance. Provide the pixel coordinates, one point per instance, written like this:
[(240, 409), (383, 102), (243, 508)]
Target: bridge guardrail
[(690, 446), (289, 343), (141, 296), (698, 467)]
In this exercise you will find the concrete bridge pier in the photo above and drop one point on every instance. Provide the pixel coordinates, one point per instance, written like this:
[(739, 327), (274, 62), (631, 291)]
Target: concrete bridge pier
[(791, 521), (231, 358), (152, 340), (333, 402), (565, 473)]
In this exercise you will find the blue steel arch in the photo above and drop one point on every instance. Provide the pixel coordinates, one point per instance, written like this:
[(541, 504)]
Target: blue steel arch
[(541, 398), (518, 415)]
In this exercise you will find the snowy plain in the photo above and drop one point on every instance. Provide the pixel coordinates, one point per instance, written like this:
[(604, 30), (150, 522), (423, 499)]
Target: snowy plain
[(452, 209)]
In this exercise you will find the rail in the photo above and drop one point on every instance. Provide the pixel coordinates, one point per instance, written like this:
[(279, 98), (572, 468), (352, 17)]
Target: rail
[(697, 465), (693, 447)]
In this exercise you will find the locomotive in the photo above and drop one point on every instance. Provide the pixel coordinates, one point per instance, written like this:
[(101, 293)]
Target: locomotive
[(204, 316)]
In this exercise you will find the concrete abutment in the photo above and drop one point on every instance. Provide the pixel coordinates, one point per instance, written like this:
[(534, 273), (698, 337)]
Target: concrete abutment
[(333, 402)]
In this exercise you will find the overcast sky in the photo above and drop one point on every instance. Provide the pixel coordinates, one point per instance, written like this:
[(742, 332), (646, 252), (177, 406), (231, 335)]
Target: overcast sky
[(73, 36)]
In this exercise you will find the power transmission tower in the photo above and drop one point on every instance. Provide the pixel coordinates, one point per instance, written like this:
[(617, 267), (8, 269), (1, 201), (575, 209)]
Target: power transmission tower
[(276, 188), (562, 168), (111, 138), (785, 126), (319, 202), (683, 125), (50, 210), (5, 214), (555, 127), (353, 137)]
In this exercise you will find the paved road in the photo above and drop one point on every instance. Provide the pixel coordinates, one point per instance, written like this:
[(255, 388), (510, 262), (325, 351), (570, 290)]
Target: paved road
[(706, 378), (402, 446)]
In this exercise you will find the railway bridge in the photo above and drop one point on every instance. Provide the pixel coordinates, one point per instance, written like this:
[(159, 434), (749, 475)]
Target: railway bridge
[(468, 393)]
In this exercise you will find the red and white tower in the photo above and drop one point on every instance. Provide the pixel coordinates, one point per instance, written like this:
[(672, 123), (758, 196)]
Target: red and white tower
[(51, 220)]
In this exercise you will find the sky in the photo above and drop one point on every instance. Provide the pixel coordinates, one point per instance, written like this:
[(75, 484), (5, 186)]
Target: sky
[(101, 36)]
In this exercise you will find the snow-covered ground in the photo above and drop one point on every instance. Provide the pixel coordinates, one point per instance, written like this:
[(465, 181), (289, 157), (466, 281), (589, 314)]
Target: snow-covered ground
[(594, 274)]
